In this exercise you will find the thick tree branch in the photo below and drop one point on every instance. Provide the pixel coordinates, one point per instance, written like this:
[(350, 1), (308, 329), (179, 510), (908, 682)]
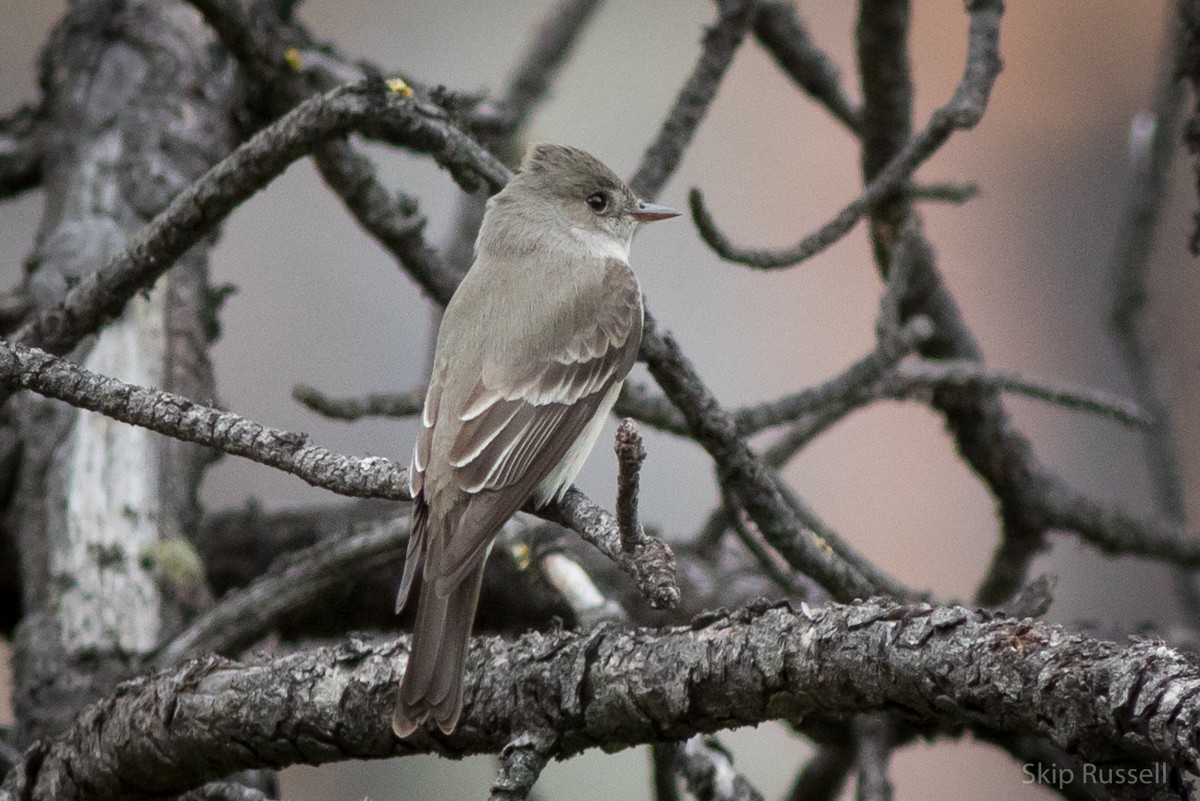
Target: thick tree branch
[(947, 665)]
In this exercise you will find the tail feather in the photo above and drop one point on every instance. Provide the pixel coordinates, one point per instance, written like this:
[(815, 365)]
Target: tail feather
[(432, 682)]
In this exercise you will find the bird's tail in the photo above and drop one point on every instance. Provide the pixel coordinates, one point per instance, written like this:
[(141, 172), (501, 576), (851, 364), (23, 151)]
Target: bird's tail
[(432, 682)]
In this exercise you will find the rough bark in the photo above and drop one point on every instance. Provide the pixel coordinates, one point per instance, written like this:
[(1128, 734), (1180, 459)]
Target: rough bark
[(92, 498)]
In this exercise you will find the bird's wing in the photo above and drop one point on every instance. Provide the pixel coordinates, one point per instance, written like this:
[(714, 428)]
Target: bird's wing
[(514, 431)]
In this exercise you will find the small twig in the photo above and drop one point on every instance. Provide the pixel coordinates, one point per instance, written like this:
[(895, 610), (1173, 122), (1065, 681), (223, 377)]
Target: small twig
[(824, 775), (665, 778), (962, 112), (245, 616), (521, 763), (542, 60), (630, 455), (707, 768), (768, 559), (910, 375), (945, 192), (874, 736), (781, 31), (383, 404), (721, 41), (651, 562)]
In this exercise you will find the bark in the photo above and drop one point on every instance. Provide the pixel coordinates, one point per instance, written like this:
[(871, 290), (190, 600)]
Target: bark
[(131, 118), (618, 688)]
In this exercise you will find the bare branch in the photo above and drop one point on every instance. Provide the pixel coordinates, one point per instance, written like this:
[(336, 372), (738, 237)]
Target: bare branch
[(707, 768), (391, 219), (531, 80), (1113, 530), (20, 151), (721, 41), (521, 762), (399, 405), (651, 562), (962, 112), (742, 472), (874, 736), (950, 665), (245, 616), (366, 107), (781, 31), (181, 418), (911, 375), (630, 455)]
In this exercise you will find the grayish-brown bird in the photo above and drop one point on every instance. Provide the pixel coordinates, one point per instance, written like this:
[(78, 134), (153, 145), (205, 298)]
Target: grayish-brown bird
[(531, 353)]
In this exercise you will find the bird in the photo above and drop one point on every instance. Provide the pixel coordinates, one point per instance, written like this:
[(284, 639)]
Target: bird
[(531, 353)]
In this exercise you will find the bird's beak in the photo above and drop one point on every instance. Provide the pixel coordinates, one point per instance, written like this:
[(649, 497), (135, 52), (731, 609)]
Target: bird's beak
[(649, 212)]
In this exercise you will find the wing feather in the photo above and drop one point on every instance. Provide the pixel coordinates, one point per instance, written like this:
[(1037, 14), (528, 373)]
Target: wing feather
[(520, 420)]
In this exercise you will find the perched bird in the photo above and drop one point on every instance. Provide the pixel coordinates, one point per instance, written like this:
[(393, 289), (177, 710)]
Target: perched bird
[(531, 353)]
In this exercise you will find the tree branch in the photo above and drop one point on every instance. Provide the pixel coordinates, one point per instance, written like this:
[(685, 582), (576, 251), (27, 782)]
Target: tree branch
[(381, 404), (743, 473), (521, 762), (721, 41), (178, 417), (707, 768), (367, 107), (962, 112), (781, 31), (949, 666), (245, 616), (630, 456), (20, 150)]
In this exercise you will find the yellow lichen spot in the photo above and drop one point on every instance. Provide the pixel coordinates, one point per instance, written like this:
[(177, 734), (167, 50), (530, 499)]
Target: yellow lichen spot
[(522, 555), (399, 86), (292, 57), (823, 545)]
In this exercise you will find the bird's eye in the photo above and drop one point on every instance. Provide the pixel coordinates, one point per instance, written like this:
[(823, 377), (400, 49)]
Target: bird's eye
[(597, 202)]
